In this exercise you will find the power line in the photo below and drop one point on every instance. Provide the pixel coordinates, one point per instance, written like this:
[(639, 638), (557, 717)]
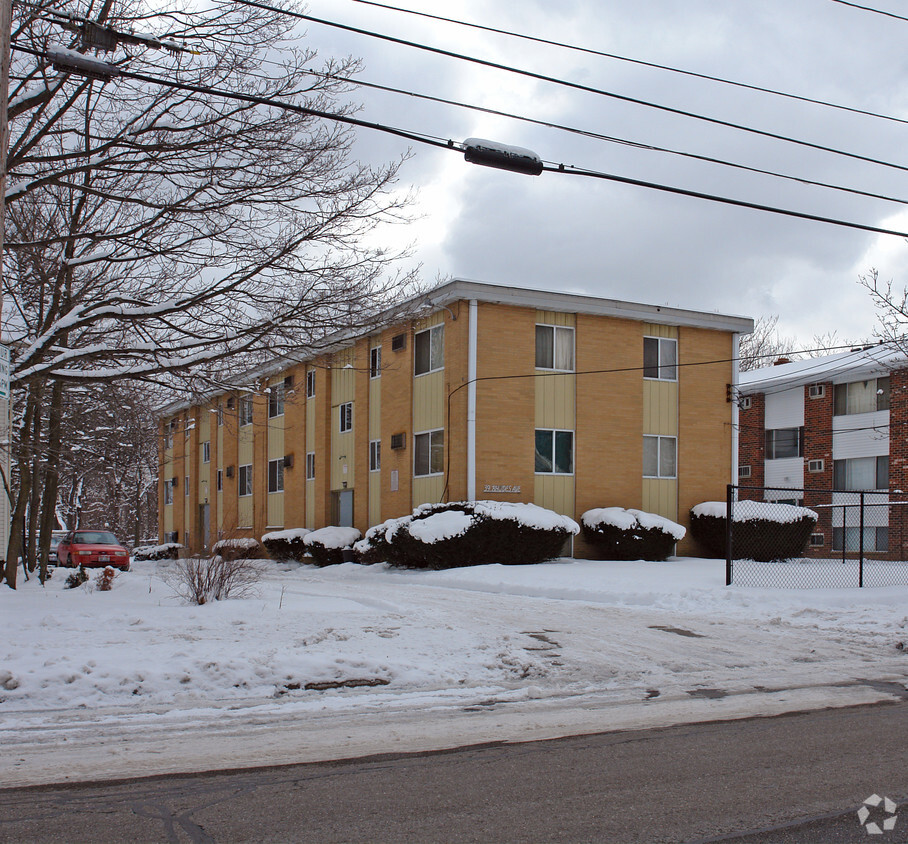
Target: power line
[(588, 133), (871, 9), (641, 62), (573, 85), (438, 142)]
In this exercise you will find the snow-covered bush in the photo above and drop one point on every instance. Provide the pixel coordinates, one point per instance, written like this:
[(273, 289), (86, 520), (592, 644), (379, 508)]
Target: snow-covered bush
[(619, 534), (286, 544), (238, 549), (470, 533), (762, 530), (104, 580), (202, 580), (167, 551), (327, 545), (76, 578)]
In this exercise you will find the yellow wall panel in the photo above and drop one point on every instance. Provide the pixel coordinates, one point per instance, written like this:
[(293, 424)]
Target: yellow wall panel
[(555, 492), (428, 490), (660, 407), (556, 318), (651, 329), (310, 505), (342, 463), (429, 401), (275, 510), (660, 496), (375, 408), (555, 401), (343, 376)]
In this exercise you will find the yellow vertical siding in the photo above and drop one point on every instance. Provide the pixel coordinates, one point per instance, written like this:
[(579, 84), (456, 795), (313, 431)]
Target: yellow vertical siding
[(429, 401), (310, 446), (375, 434), (428, 490), (218, 523), (660, 407), (245, 454), (275, 515), (343, 376), (660, 496), (556, 318), (555, 401), (652, 329), (555, 492), (343, 390), (661, 416)]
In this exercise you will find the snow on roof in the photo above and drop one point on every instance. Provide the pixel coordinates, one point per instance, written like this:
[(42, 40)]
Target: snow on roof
[(865, 362)]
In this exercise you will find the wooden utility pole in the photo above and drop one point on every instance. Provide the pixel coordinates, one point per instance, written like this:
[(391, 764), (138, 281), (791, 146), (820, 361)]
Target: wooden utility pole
[(6, 25)]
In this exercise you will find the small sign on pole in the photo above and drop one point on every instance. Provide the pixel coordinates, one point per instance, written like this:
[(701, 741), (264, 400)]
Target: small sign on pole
[(4, 372)]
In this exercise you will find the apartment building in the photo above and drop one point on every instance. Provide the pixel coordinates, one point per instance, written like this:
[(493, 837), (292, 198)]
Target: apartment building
[(828, 432), (485, 392)]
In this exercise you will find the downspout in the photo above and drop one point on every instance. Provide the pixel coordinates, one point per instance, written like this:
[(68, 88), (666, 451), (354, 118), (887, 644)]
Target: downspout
[(735, 410), (473, 331)]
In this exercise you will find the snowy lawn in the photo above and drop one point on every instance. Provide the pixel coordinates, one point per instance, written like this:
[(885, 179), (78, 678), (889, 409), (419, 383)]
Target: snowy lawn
[(362, 659)]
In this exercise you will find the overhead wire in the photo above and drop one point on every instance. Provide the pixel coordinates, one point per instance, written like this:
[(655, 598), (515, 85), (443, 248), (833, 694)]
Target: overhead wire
[(668, 68), (573, 85), (437, 141), (871, 9)]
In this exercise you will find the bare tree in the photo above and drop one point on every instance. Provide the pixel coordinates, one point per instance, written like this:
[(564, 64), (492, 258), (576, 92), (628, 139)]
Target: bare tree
[(157, 231), (764, 345)]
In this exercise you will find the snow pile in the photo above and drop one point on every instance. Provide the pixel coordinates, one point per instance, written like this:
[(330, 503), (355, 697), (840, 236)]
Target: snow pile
[(629, 519), (240, 544), (439, 526), (746, 511), (527, 515), (286, 535), (332, 538), (157, 552)]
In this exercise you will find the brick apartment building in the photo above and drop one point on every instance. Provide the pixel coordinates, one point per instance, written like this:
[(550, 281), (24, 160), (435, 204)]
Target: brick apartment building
[(820, 432), (489, 392)]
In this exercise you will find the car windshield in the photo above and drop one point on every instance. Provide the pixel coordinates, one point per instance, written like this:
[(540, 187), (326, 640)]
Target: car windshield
[(94, 537), (54, 542)]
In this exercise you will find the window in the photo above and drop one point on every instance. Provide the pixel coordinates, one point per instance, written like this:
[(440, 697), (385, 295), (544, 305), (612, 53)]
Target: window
[(245, 412), (276, 475), (555, 347), (660, 457), (375, 362), (168, 435), (861, 473), (345, 412), (245, 480), (374, 455), (310, 466), (187, 427), (220, 480), (555, 452), (168, 492), (429, 453), (743, 471), (310, 384), (276, 401), (875, 539), (206, 451), (784, 442), (660, 358), (429, 350), (861, 396), (220, 415), (186, 488)]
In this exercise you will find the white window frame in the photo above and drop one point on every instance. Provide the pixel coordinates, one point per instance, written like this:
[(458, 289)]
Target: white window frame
[(310, 465), (278, 467), (660, 440), (310, 384), (206, 451), (555, 432), (375, 362), (276, 401), (664, 371), (244, 471), (374, 455), (555, 329), (434, 364), (345, 417), (245, 411), (432, 436)]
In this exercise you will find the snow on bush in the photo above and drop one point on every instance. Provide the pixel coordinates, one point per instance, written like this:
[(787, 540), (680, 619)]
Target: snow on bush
[(439, 536), (239, 548), (619, 534), (761, 530), (327, 545), (167, 551), (287, 544)]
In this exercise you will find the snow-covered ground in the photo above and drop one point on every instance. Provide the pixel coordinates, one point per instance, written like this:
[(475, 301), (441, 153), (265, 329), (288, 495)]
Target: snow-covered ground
[(134, 681)]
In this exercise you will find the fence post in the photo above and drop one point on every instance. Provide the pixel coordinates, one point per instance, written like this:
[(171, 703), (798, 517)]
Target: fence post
[(728, 534), (861, 546)]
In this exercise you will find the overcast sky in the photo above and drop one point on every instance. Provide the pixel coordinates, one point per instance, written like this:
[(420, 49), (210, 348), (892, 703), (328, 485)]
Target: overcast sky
[(575, 234)]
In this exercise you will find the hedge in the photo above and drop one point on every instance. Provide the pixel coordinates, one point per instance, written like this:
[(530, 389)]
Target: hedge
[(618, 534)]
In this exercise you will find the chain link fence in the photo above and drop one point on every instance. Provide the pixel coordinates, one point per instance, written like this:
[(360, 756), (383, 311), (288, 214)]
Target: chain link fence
[(815, 538)]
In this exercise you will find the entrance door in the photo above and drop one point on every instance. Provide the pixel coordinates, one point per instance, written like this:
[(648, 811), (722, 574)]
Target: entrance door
[(343, 508)]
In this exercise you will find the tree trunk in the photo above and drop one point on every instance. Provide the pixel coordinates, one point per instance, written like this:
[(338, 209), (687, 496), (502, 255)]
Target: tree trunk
[(16, 537), (51, 476)]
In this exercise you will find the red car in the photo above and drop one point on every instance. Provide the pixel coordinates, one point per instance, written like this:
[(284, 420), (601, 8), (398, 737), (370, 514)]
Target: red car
[(92, 549)]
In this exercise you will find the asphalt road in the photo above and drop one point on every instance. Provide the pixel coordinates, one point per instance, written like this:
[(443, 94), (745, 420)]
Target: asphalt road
[(792, 778)]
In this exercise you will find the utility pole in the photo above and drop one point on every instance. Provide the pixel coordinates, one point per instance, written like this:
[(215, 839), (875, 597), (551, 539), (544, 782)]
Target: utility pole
[(6, 25)]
